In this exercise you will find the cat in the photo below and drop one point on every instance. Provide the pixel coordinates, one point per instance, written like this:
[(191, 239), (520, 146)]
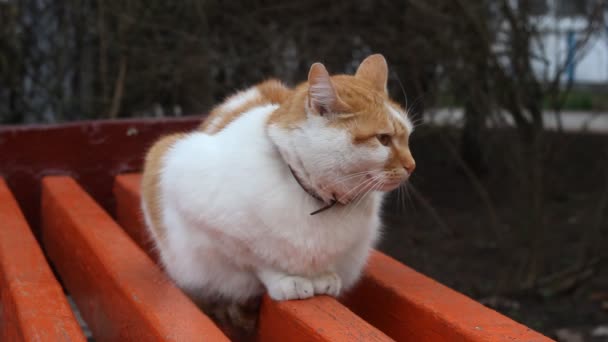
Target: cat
[(280, 189)]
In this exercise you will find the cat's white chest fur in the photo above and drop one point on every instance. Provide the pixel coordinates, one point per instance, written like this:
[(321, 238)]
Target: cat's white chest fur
[(237, 221)]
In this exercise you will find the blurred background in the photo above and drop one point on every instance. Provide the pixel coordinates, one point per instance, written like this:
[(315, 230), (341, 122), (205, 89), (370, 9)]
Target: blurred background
[(509, 203)]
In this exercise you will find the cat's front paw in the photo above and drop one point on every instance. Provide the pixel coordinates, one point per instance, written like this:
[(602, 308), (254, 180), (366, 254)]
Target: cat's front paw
[(291, 287), (328, 283)]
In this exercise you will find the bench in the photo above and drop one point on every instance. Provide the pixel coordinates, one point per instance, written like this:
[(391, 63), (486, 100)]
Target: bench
[(103, 260)]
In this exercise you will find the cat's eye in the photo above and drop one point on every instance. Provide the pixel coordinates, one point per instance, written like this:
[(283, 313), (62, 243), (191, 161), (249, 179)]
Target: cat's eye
[(384, 139)]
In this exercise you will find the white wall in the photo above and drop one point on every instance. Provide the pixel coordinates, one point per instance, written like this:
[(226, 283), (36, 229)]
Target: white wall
[(591, 63)]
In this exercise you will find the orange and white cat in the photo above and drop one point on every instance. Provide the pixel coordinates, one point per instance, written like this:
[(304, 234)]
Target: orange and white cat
[(229, 205)]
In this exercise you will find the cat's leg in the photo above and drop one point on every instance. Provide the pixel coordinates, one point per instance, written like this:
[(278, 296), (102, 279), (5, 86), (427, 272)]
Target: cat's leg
[(345, 273), (281, 286), (207, 273), (197, 263), (350, 266), (227, 293), (328, 283)]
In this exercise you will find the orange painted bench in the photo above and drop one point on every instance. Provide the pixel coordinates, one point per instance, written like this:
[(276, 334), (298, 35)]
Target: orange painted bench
[(121, 293), (33, 306), (92, 234), (409, 306), (399, 301)]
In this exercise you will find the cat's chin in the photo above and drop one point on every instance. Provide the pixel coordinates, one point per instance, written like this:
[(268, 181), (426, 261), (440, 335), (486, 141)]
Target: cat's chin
[(387, 187)]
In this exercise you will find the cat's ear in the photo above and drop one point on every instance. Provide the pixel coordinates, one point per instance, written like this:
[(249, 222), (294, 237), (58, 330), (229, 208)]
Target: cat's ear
[(374, 70), (322, 95)]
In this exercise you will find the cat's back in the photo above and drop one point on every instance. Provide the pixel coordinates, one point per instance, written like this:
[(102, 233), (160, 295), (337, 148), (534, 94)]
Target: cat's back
[(268, 92), (218, 165), (153, 166), (202, 172), (218, 152)]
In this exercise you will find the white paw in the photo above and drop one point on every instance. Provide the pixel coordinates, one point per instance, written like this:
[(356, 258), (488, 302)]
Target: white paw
[(328, 283), (291, 287)]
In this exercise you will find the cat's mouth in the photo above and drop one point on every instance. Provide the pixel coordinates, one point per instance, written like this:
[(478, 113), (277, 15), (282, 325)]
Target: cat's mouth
[(366, 184), (386, 184), (390, 186)]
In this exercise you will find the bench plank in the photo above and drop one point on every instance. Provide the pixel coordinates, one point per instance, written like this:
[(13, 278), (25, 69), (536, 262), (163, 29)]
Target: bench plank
[(318, 319), (408, 305), (128, 211), (122, 294), (33, 305)]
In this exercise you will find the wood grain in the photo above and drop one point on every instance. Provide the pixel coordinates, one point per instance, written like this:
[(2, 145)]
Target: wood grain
[(121, 293), (33, 306), (408, 306)]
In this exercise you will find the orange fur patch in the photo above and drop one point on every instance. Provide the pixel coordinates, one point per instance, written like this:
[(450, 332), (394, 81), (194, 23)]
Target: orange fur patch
[(150, 181), (270, 92)]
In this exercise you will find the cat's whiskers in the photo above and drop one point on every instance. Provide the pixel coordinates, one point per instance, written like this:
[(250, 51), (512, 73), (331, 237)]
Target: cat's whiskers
[(399, 195), (349, 177), (418, 122), (360, 186), (416, 101), (379, 181), (402, 88), (363, 192), (352, 175), (406, 196), (364, 183)]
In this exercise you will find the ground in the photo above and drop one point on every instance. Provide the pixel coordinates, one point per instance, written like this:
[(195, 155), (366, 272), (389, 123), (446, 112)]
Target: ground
[(471, 257)]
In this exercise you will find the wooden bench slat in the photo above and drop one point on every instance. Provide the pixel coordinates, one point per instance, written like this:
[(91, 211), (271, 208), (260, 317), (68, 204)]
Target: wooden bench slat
[(122, 294), (33, 306), (318, 319), (407, 305), (321, 318), (126, 192)]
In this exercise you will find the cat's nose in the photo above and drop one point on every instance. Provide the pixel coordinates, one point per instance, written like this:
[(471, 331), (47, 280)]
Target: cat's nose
[(410, 167), (407, 161)]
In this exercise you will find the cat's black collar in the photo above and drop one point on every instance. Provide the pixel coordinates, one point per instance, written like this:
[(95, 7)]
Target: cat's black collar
[(313, 194)]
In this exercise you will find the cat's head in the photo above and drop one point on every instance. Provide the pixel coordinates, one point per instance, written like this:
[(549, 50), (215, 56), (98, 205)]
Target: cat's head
[(343, 135)]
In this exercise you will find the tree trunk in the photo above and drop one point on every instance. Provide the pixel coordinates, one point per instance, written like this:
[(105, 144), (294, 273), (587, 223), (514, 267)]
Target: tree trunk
[(471, 140)]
